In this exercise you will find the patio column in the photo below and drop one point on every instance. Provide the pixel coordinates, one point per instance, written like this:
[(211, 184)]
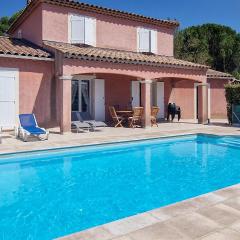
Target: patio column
[(146, 101), (65, 103), (203, 104)]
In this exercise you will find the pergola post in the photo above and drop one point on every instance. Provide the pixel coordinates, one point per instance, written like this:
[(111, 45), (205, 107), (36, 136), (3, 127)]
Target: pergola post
[(146, 101), (65, 103), (203, 104)]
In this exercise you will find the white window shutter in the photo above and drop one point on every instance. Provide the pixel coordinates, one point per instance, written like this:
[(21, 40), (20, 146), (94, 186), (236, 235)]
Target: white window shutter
[(143, 40), (77, 29), (154, 42), (90, 31)]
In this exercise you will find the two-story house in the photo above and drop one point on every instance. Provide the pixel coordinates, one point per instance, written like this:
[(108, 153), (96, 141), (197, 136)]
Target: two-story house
[(64, 56)]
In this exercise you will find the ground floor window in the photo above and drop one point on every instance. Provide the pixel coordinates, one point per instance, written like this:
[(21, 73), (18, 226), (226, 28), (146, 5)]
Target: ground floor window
[(81, 95)]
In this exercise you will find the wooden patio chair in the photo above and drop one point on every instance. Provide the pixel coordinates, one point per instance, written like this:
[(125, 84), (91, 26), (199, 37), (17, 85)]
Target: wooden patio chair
[(136, 119), (154, 113), (117, 120)]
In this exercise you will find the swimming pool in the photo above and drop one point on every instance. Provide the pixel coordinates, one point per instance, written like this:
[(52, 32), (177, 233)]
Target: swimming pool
[(48, 194)]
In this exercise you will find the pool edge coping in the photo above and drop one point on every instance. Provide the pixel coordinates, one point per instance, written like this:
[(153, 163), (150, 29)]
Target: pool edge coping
[(157, 214), (111, 143)]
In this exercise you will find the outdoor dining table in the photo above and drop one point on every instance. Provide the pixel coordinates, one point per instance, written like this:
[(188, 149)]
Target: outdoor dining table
[(125, 113)]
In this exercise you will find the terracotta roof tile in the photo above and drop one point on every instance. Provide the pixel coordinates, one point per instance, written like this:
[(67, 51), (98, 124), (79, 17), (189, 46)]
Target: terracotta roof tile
[(99, 9), (118, 56), (21, 47), (216, 74)]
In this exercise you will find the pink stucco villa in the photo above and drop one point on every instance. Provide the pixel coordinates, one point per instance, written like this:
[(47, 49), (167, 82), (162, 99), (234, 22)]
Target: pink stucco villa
[(64, 56)]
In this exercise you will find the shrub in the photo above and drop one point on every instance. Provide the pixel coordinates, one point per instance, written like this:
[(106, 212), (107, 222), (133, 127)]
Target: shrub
[(232, 93)]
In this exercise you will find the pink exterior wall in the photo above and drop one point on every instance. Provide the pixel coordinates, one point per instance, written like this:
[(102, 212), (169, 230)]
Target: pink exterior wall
[(218, 100), (183, 96), (117, 86), (36, 88), (32, 27), (180, 92), (112, 32)]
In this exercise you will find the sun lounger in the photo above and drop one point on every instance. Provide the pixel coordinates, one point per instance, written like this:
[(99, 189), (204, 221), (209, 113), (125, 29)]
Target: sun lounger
[(86, 118), (80, 126), (28, 126)]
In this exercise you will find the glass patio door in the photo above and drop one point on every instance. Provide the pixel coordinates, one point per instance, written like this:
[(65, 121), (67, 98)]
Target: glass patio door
[(81, 96)]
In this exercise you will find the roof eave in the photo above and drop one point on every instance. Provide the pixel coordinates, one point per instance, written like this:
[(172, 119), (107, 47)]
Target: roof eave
[(180, 66), (117, 13), (26, 12), (27, 57), (221, 77)]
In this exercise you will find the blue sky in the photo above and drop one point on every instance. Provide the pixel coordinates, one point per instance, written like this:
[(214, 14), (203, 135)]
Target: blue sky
[(188, 12)]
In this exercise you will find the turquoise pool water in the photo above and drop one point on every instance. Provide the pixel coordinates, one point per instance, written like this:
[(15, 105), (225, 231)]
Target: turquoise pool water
[(44, 195)]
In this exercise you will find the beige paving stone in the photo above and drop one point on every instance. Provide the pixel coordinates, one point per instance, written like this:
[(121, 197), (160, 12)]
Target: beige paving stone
[(123, 238), (159, 231), (91, 234), (221, 213), (193, 225), (229, 192), (130, 224), (233, 202), (236, 226), (225, 234), (165, 213), (206, 200), (158, 213)]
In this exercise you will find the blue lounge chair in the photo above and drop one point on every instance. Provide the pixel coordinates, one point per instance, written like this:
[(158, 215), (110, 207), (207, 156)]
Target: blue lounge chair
[(28, 126)]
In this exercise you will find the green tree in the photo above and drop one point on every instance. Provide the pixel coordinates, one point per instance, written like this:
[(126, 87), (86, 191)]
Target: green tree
[(5, 22), (214, 45)]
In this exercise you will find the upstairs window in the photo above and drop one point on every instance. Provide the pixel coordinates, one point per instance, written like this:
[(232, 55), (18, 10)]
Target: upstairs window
[(147, 40), (82, 30)]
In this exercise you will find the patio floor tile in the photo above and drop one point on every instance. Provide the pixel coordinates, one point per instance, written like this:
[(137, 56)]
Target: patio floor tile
[(233, 202), (224, 234), (123, 238), (236, 226), (206, 200), (221, 213), (173, 210), (229, 192), (130, 224), (91, 234), (159, 231), (193, 225)]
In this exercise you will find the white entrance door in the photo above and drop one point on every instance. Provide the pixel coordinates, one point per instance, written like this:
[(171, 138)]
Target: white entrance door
[(160, 99), (8, 98), (135, 93), (99, 100)]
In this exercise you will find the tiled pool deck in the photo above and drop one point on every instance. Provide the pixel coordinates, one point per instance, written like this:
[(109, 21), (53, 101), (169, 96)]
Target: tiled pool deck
[(213, 216), (108, 134), (208, 217)]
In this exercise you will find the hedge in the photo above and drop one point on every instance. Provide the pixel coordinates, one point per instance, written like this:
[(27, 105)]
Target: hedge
[(232, 94)]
